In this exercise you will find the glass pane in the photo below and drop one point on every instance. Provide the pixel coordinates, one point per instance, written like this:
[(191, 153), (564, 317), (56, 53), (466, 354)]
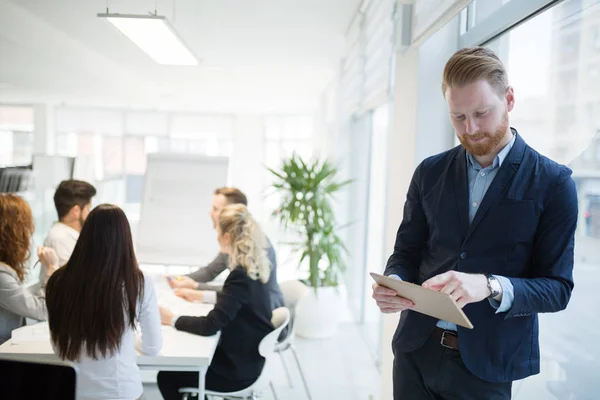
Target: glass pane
[(135, 160), (484, 8), (292, 128), (376, 257), (16, 148), (66, 144), (303, 149), (16, 118), (113, 157), (557, 111), (23, 147), (6, 148), (86, 143), (272, 127)]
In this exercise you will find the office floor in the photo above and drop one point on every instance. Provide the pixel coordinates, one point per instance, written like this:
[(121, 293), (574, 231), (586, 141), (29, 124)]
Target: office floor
[(338, 368)]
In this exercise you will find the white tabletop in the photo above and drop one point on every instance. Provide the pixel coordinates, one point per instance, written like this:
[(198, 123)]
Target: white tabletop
[(181, 351)]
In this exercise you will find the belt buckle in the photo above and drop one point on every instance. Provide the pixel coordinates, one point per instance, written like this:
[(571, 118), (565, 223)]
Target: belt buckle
[(442, 339)]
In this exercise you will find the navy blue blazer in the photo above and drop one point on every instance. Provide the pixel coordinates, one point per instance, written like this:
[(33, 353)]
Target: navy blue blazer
[(524, 230)]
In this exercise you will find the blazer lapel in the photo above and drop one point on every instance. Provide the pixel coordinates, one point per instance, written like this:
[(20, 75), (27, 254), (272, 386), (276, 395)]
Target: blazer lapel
[(461, 190), (504, 176)]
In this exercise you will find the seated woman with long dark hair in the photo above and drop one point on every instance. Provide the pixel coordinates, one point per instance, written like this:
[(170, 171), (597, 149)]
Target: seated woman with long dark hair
[(16, 301), (242, 312), (94, 303)]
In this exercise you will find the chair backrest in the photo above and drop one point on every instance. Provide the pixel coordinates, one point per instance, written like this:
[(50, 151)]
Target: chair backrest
[(280, 319), (53, 380), (266, 348), (293, 291)]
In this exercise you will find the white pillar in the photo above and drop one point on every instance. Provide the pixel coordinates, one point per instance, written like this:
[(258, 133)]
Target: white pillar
[(43, 129), (420, 128), (401, 147)]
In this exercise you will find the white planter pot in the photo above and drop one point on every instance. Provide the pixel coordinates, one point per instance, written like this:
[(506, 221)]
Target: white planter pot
[(318, 316)]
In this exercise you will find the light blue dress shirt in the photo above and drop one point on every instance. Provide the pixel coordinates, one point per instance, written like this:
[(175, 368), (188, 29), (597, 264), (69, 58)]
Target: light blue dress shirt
[(480, 180)]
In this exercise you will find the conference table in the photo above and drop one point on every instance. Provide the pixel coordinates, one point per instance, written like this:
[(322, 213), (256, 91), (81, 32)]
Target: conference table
[(181, 351)]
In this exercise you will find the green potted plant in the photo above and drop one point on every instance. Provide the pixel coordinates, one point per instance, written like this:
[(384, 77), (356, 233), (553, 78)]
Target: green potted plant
[(307, 190)]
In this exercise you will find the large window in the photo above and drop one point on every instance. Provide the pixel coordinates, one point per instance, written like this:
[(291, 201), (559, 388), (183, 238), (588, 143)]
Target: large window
[(284, 136), (16, 135), (557, 112), (375, 256)]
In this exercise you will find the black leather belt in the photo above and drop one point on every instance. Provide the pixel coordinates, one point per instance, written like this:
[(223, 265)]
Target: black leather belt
[(448, 339)]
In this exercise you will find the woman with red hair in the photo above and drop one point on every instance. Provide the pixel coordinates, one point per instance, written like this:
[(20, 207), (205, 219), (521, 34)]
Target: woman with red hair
[(16, 301)]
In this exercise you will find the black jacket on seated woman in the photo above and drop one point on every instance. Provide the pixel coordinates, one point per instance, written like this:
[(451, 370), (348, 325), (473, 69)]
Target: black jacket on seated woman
[(242, 314)]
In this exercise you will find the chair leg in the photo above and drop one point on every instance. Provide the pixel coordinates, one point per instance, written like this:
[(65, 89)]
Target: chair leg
[(301, 373), (273, 390), (287, 371)]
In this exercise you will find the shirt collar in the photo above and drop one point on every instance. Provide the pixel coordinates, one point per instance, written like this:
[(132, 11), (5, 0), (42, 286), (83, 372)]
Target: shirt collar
[(498, 160)]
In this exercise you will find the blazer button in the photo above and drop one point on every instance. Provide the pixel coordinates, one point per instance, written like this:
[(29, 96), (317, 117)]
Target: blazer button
[(464, 256)]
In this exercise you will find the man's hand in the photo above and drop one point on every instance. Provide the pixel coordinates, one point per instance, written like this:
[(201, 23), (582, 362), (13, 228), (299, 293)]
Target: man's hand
[(166, 316), (181, 282), (388, 300), (463, 288), (190, 294)]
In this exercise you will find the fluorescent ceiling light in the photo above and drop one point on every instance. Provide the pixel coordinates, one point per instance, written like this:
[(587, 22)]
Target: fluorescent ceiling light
[(154, 35)]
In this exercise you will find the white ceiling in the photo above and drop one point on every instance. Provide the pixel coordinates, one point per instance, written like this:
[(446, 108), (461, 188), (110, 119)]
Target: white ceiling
[(257, 55)]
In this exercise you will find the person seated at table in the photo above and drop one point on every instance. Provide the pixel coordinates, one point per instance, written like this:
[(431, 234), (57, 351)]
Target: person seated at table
[(186, 284), (73, 202), (16, 301), (94, 303), (242, 312)]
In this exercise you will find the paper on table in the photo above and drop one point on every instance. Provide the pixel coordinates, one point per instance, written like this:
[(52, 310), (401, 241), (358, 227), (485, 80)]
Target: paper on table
[(31, 334), (177, 305)]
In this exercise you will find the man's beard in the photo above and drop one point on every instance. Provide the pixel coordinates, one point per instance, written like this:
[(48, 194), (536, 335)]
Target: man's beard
[(487, 146)]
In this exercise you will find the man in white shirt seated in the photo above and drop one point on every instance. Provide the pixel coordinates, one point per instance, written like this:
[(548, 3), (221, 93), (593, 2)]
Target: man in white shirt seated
[(73, 201)]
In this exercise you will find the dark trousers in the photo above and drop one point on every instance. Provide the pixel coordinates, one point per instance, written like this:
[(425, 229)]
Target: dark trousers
[(434, 372), (169, 383)]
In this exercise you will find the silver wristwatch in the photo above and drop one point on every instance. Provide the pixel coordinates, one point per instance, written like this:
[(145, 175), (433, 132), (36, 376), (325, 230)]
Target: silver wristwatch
[(493, 285)]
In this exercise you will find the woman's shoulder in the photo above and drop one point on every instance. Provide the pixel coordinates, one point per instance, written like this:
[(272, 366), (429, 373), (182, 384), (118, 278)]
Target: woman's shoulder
[(7, 273)]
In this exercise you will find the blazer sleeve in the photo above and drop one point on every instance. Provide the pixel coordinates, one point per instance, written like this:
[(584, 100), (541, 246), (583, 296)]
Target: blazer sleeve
[(212, 270), (236, 293), (19, 300), (551, 283), (412, 235)]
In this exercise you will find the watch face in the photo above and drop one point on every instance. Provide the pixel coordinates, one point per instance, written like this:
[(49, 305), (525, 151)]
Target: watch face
[(494, 286)]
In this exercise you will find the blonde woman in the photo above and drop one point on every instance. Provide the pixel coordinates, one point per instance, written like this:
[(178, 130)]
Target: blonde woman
[(242, 312)]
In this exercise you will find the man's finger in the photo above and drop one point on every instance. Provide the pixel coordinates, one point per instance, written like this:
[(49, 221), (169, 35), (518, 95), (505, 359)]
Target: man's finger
[(439, 280), (389, 310), (462, 301), (395, 302), (384, 291), (451, 286)]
